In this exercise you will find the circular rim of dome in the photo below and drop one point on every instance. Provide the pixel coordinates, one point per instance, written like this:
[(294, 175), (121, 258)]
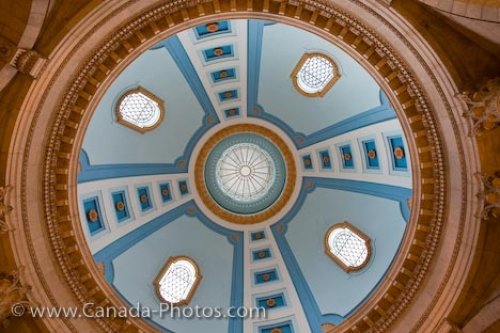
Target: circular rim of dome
[(427, 142), (268, 207)]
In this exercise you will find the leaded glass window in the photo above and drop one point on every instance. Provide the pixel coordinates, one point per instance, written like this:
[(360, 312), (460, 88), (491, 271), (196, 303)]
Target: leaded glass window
[(315, 74), (178, 280), (140, 110), (348, 246)]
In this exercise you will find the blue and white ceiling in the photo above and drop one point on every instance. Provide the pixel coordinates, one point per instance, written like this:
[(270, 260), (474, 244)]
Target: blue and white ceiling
[(118, 164)]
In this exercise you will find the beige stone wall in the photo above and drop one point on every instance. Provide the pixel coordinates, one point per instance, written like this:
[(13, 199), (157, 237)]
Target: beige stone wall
[(479, 16), (12, 25), (484, 10)]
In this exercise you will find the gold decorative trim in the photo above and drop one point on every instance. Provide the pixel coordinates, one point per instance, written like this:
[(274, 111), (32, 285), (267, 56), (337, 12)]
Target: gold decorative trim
[(212, 27), (356, 231), (327, 87), (163, 271), (271, 302), (210, 203), (147, 93)]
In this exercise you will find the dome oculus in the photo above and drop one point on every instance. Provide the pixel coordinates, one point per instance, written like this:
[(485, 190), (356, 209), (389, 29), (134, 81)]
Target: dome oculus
[(245, 172)]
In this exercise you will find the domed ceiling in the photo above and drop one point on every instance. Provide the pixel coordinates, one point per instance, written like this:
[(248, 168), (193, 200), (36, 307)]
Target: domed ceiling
[(262, 154)]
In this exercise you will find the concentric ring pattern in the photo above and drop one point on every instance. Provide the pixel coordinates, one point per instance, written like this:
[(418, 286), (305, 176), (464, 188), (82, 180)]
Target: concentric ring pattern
[(245, 173)]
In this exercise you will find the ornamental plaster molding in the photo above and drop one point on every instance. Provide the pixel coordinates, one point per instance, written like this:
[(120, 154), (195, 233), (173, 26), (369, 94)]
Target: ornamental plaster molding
[(483, 106), (4, 210), (28, 62), (39, 10), (490, 195), (13, 294)]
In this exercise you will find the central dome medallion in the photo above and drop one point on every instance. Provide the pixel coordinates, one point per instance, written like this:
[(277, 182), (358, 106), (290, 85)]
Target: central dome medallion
[(245, 173), (245, 176)]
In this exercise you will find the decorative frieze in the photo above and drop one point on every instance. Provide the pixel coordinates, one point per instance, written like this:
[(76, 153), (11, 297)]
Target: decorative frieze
[(491, 196), (484, 106), (4, 209)]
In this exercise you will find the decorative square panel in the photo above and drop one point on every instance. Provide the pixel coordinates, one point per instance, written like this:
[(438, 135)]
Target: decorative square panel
[(120, 205), (261, 254), (259, 235), (165, 192), (228, 95), (145, 200), (223, 75), (233, 112), (325, 160), (371, 154), (219, 52), (347, 158), (307, 162), (183, 187), (398, 153), (266, 276), (212, 29), (271, 302), (93, 215), (277, 328)]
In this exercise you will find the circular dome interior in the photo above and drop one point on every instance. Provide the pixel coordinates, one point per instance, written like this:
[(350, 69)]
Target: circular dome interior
[(261, 157)]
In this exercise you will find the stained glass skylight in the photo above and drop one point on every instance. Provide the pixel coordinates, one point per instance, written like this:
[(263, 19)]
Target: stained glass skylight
[(245, 172)]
